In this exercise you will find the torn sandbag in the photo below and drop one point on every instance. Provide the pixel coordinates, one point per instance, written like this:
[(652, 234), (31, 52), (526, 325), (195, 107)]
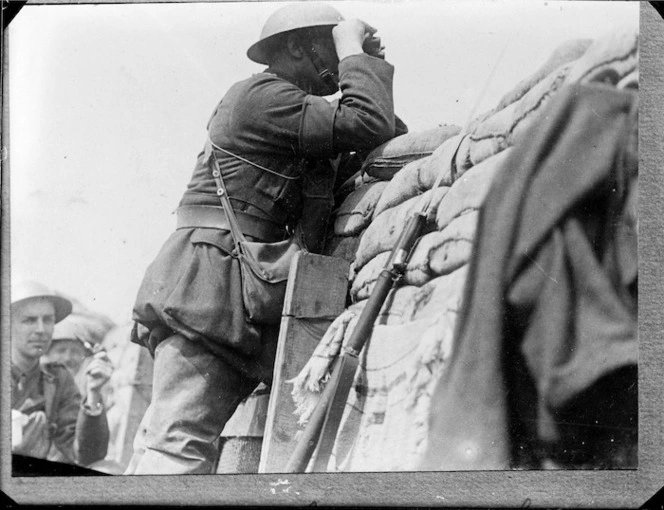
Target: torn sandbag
[(409, 345), (356, 211), (387, 159), (392, 393)]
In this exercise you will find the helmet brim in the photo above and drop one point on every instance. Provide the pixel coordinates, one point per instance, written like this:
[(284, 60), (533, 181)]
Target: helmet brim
[(61, 306), (292, 17), (257, 51)]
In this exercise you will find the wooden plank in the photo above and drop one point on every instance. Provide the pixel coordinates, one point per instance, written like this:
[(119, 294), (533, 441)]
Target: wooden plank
[(315, 296)]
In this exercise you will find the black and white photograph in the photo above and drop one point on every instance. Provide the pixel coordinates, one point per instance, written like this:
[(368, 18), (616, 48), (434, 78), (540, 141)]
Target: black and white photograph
[(336, 252)]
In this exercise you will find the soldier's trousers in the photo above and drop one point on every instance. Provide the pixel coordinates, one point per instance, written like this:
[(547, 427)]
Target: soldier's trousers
[(194, 394)]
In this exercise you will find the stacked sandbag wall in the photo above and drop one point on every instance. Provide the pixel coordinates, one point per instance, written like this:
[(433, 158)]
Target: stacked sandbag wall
[(385, 422)]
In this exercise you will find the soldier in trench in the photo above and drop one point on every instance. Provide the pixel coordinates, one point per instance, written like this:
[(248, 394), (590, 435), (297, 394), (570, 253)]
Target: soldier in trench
[(273, 136)]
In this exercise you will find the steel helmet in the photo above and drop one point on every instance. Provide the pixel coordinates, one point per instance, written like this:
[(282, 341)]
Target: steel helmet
[(291, 17), (24, 290)]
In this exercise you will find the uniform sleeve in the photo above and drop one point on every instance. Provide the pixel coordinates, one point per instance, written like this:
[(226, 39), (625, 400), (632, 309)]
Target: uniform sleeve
[(365, 116), (81, 438), (273, 116), (92, 437)]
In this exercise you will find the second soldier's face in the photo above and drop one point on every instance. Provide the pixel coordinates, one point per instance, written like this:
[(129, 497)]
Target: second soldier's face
[(32, 324), (70, 353)]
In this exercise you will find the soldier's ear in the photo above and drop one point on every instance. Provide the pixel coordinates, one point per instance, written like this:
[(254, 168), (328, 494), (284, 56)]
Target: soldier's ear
[(294, 46)]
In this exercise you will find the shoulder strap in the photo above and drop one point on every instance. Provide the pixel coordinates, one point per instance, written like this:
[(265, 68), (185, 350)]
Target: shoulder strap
[(256, 165), (222, 193)]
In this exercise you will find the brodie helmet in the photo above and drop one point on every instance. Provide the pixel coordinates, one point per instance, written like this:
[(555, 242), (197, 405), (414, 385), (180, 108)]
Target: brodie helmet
[(291, 17), (25, 290)]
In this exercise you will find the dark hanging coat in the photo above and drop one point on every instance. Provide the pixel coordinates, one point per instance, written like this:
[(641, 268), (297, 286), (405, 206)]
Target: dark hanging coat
[(545, 355)]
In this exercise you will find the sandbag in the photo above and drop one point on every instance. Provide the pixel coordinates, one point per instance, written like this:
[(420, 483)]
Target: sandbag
[(420, 176), (386, 159), (391, 397), (453, 247), (386, 228), (631, 81), (469, 191), (567, 52), (446, 251), (609, 59), (495, 133), (357, 209), (404, 185), (410, 342)]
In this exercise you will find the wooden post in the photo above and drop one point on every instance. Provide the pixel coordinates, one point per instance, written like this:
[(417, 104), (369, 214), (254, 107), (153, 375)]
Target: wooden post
[(315, 296)]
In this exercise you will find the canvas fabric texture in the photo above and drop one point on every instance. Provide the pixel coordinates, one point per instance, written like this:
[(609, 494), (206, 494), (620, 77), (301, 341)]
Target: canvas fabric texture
[(436, 253), (469, 190), (404, 357), (385, 229), (357, 209), (419, 176), (545, 355), (343, 247), (466, 194), (379, 431), (387, 159)]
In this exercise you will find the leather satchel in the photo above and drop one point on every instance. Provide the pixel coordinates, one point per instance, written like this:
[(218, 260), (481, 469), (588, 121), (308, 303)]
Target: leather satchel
[(264, 267)]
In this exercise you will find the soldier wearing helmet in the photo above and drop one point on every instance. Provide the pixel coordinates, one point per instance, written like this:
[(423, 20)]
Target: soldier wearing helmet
[(74, 345), (273, 135), (49, 417)]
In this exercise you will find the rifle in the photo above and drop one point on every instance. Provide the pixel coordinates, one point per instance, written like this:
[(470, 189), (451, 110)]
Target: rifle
[(326, 417), (321, 430)]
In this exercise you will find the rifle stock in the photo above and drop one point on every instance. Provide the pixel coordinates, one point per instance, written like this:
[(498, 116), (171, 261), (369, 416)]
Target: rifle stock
[(324, 422)]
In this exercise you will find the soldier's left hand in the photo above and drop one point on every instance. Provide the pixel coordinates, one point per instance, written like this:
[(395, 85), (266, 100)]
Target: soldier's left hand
[(99, 371), (373, 46)]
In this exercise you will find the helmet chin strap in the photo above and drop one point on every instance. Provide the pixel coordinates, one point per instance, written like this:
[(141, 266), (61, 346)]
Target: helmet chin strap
[(323, 72)]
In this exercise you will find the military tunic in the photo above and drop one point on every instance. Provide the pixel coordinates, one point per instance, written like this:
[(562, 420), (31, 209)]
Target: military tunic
[(193, 286)]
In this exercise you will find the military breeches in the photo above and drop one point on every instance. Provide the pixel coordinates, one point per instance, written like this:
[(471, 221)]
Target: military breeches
[(194, 394)]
